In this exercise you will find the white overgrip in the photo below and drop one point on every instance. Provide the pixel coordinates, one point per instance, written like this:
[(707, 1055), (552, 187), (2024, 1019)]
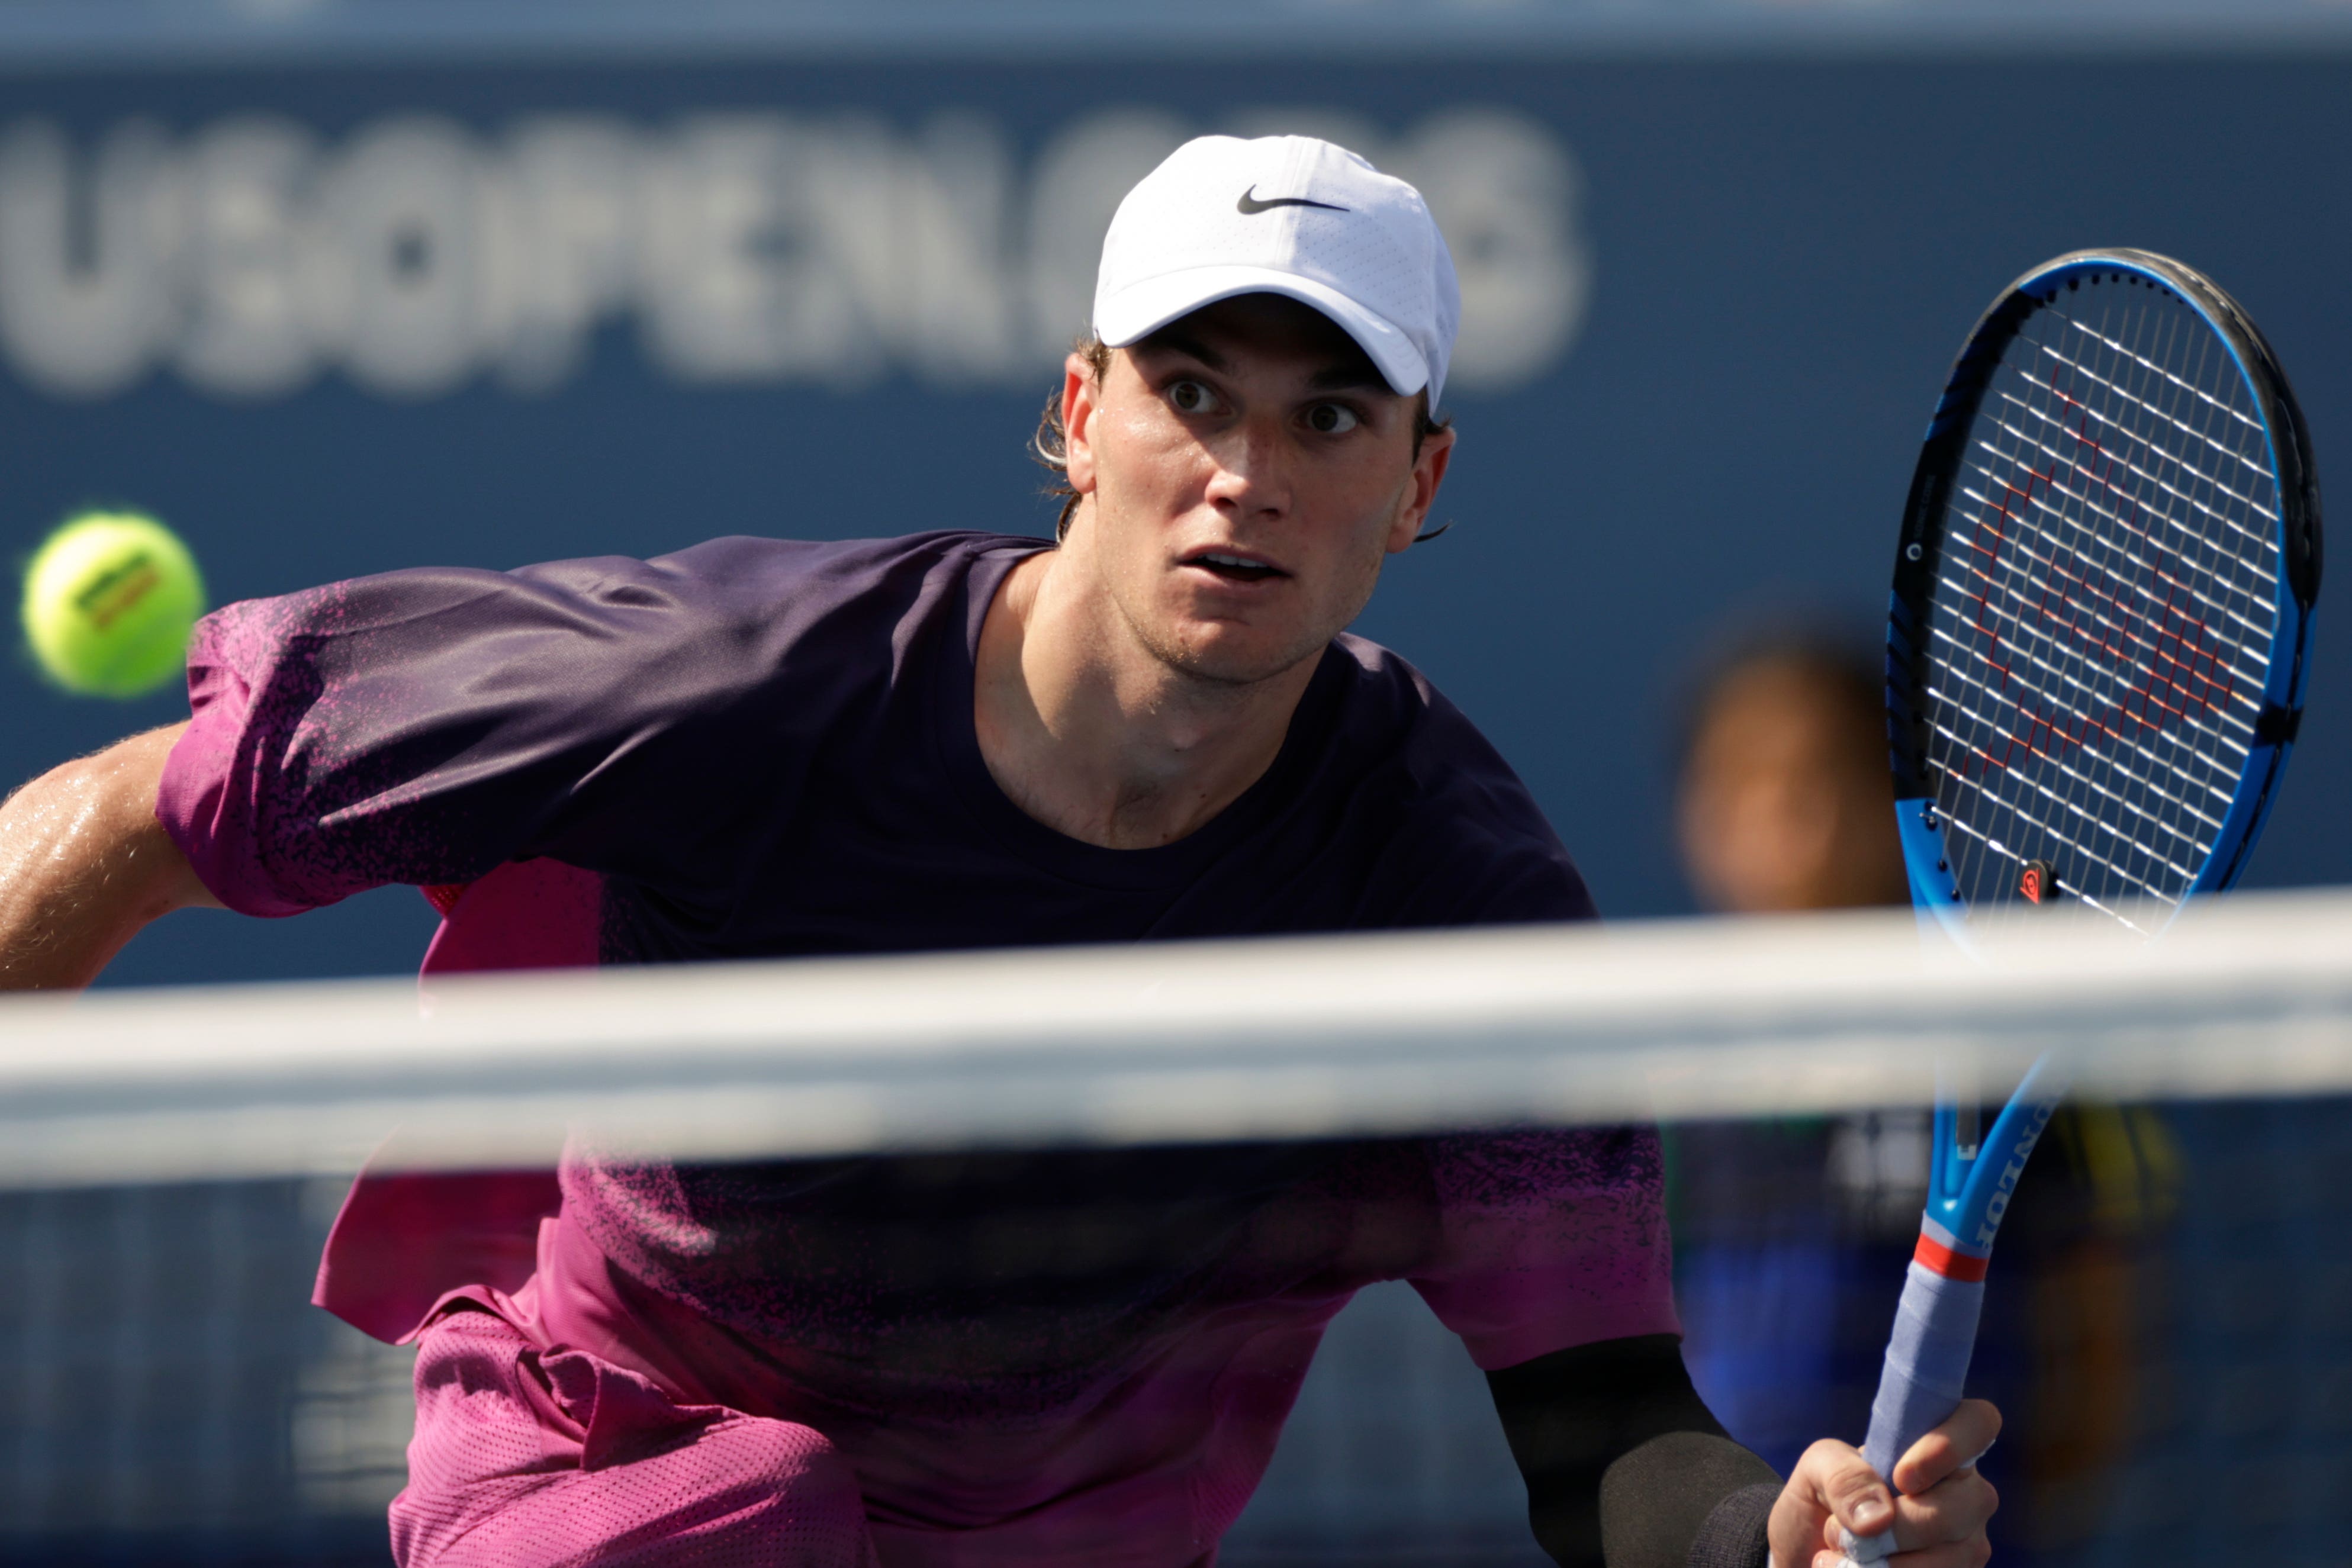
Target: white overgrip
[(1926, 1369)]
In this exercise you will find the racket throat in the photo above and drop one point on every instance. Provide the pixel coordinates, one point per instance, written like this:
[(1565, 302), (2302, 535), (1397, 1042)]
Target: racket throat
[(1959, 1128), (1975, 1168)]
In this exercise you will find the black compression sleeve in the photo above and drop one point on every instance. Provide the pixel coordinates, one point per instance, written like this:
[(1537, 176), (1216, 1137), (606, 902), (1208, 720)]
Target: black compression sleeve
[(1625, 1466)]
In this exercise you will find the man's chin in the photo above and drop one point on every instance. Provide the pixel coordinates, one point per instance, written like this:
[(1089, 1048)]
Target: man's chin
[(1222, 659)]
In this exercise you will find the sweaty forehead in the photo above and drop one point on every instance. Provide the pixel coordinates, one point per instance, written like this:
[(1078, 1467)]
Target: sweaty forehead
[(1258, 328)]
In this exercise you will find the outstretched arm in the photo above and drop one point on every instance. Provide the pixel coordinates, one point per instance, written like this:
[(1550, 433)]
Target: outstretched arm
[(84, 864)]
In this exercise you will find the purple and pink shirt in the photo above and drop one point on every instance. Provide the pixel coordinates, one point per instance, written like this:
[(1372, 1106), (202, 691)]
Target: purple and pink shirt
[(762, 748)]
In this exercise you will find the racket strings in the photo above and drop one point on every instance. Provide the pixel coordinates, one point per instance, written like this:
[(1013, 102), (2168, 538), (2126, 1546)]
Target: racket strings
[(2190, 667), (2248, 426), (2123, 520), (2096, 462), (2249, 540), (2135, 851), (2135, 800), (2224, 519), (2104, 606), (2191, 672), (2080, 717), (2094, 467), (2119, 834), (1993, 850), (2184, 663)]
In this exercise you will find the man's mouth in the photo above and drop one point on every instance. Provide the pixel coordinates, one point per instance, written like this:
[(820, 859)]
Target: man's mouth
[(1234, 565)]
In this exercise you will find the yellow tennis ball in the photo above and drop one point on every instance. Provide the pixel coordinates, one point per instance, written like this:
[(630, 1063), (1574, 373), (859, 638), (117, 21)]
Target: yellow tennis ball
[(108, 602)]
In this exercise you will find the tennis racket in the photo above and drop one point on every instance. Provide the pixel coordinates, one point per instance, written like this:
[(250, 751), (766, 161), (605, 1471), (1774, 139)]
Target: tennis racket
[(2095, 672)]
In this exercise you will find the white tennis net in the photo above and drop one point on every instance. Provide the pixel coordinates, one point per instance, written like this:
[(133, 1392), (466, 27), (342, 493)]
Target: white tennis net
[(1387, 1034)]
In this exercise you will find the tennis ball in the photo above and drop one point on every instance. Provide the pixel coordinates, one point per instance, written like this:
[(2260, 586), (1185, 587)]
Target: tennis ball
[(108, 602)]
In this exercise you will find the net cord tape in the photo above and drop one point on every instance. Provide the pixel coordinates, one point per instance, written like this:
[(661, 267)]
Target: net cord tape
[(1402, 1034)]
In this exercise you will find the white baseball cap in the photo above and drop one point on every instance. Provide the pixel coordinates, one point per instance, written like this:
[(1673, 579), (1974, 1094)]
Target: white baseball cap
[(1289, 216)]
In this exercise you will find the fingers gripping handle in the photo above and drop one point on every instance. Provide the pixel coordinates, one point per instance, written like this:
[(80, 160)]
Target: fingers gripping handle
[(1926, 1367)]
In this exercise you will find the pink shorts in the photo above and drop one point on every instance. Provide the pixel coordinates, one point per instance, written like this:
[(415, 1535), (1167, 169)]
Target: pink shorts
[(532, 1459)]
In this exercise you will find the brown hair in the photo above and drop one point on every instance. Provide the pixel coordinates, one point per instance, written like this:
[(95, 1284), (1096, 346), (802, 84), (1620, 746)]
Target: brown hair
[(1051, 444)]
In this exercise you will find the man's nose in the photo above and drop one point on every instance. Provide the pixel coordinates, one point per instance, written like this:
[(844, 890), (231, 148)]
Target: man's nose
[(1252, 469)]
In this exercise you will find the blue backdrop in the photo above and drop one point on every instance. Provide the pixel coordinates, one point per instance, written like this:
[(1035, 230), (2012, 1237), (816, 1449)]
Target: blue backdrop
[(331, 321)]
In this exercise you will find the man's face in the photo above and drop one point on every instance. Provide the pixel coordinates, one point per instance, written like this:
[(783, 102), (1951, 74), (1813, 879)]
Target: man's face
[(1247, 470)]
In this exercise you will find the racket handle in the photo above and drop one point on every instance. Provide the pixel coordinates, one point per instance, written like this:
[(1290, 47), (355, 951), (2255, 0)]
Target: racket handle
[(1927, 1363), (1926, 1367)]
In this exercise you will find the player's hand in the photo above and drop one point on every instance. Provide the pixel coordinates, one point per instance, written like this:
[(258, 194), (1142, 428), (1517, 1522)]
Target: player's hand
[(1939, 1519)]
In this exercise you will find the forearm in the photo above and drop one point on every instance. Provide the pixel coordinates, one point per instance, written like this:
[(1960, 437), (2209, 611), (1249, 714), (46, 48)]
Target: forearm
[(84, 864), (1625, 1466)]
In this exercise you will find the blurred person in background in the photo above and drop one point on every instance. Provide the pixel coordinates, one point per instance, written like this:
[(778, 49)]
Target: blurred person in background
[(1785, 802), (1792, 1234)]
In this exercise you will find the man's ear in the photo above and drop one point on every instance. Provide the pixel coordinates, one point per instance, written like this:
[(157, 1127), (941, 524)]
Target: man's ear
[(1081, 396), (1428, 474)]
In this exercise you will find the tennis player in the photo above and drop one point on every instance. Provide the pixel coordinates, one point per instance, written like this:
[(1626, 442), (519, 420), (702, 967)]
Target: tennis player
[(1152, 729)]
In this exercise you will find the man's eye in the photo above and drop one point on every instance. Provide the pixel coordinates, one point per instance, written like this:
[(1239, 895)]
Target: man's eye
[(1331, 419), (1190, 397)]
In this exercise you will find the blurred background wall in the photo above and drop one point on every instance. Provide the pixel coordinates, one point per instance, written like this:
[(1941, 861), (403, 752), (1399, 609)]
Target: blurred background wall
[(337, 286)]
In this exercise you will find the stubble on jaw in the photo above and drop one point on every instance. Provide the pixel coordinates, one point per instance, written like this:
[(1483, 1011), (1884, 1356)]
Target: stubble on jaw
[(1200, 668), (1214, 675), (1205, 667)]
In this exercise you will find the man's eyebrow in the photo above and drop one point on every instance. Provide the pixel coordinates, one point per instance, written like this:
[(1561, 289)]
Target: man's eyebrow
[(1182, 342), (1347, 377), (1343, 375)]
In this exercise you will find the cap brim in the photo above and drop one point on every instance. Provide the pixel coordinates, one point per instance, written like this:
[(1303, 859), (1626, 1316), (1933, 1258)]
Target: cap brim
[(1144, 307)]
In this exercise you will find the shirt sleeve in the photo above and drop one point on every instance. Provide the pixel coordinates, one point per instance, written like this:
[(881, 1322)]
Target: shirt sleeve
[(1548, 1239), (1465, 843), (424, 727)]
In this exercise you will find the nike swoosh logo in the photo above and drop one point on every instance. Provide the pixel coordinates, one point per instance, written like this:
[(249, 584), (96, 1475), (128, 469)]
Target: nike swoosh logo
[(1249, 204)]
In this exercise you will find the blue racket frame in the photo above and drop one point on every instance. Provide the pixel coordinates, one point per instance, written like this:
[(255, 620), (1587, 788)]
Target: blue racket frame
[(1973, 1177), (1966, 1184), (1924, 854)]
